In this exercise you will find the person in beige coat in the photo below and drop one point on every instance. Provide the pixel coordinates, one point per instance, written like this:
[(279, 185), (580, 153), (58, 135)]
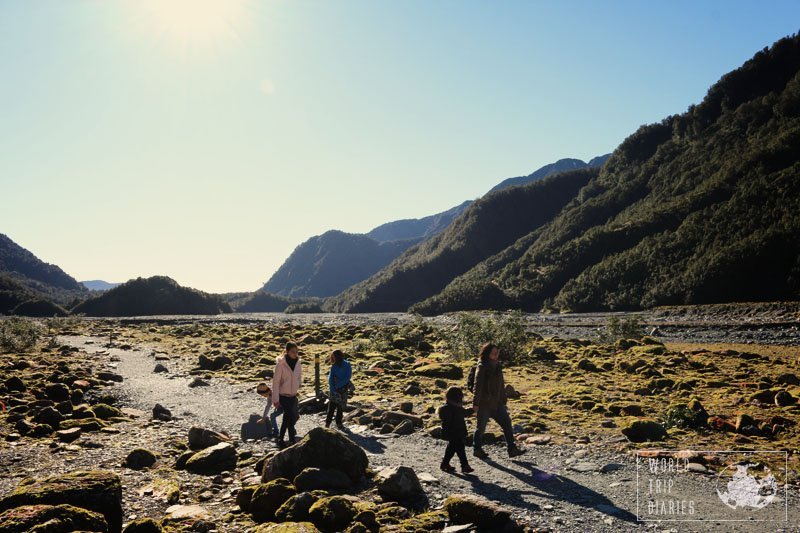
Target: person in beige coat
[(285, 384)]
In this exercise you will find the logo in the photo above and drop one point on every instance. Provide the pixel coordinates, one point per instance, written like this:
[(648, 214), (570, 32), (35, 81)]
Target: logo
[(744, 489)]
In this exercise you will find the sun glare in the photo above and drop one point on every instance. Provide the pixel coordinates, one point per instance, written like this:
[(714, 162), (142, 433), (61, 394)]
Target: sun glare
[(194, 22)]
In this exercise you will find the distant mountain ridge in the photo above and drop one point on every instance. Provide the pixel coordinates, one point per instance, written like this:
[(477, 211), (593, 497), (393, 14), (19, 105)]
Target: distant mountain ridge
[(699, 208), (562, 165), (327, 264), (99, 285)]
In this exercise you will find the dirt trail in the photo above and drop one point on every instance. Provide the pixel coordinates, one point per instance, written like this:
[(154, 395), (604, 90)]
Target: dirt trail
[(541, 486)]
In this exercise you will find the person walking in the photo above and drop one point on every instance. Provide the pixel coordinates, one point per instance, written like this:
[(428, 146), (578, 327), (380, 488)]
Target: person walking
[(489, 401), (338, 383), (454, 429), (285, 384)]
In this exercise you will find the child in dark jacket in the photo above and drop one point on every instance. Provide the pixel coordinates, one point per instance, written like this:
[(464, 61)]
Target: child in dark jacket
[(454, 429)]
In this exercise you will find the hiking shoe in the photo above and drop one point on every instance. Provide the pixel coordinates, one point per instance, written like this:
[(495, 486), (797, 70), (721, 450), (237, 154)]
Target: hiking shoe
[(447, 468), (480, 453), (467, 469), (516, 451), (281, 444), (340, 426)]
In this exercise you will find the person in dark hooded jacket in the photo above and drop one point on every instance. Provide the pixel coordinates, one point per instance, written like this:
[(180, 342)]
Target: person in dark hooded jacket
[(489, 401), (454, 429)]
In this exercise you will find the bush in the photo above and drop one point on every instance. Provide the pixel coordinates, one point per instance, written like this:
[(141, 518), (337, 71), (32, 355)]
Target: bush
[(19, 334), (473, 330), (627, 327)]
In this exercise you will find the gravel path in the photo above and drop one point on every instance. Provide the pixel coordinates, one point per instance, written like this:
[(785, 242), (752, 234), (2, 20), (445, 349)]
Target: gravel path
[(541, 486)]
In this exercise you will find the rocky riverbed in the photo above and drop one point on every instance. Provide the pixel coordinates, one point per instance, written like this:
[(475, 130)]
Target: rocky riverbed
[(579, 407)]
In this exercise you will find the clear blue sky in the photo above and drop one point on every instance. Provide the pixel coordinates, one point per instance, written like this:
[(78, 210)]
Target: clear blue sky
[(205, 139)]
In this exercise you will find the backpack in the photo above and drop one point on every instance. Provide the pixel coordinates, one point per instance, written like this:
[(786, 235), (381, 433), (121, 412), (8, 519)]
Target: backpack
[(471, 378)]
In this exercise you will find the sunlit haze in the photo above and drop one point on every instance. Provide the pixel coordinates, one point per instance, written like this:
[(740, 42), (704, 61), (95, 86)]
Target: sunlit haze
[(204, 139)]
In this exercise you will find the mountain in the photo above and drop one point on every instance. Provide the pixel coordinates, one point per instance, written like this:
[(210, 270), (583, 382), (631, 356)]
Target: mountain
[(698, 208), (329, 263), (26, 278), (486, 227), (158, 295), (99, 285), (417, 228), (562, 165)]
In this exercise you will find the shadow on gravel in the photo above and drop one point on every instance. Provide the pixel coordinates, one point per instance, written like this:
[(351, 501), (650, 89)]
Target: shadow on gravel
[(558, 487), (369, 443)]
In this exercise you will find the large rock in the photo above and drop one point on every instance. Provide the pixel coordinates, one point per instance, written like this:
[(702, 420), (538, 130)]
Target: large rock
[(143, 525), (187, 518), (333, 513), (440, 370), (398, 483), (485, 515), (58, 519), (644, 431), (322, 479), (49, 416), (320, 448), (213, 460), (140, 458), (98, 491), (200, 438), (406, 427), (268, 498), (58, 392)]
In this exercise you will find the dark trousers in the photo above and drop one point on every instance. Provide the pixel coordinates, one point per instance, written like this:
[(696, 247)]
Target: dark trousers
[(455, 447), (500, 415), (337, 407), (290, 416)]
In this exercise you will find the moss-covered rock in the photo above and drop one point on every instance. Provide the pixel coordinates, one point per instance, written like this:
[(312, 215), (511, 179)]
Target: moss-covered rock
[(440, 370), (320, 448), (269, 497), (287, 527), (295, 509), (644, 431), (86, 424), (59, 519), (485, 515), (106, 412), (98, 491), (333, 513), (140, 458)]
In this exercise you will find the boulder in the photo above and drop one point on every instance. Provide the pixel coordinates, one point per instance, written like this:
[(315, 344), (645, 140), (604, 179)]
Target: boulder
[(104, 412), (784, 398), (485, 515), (15, 384), (406, 427), (69, 435), (139, 459), (296, 508), (58, 392), (322, 479), (187, 518), (320, 448), (333, 513), (51, 519), (269, 497), (50, 416), (162, 413), (213, 460), (398, 483), (644, 431), (440, 370), (200, 438), (98, 491), (110, 376)]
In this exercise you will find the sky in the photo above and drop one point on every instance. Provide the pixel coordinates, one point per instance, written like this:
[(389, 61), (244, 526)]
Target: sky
[(205, 139)]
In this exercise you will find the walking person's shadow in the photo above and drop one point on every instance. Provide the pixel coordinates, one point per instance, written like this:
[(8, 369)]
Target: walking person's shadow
[(554, 487)]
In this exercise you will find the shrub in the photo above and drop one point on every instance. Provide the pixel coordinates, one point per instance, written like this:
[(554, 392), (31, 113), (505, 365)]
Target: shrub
[(627, 327), (473, 330), (19, 334)]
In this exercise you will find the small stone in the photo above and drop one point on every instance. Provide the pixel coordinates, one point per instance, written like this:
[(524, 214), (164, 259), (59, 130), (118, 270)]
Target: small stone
[(159, 369), (197, 382)]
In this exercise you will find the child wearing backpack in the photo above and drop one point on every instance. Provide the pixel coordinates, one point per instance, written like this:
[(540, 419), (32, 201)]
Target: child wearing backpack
[(265, 391), (454, 429)]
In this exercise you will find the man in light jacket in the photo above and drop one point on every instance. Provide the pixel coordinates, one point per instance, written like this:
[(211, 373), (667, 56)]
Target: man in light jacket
[(285, 384)]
